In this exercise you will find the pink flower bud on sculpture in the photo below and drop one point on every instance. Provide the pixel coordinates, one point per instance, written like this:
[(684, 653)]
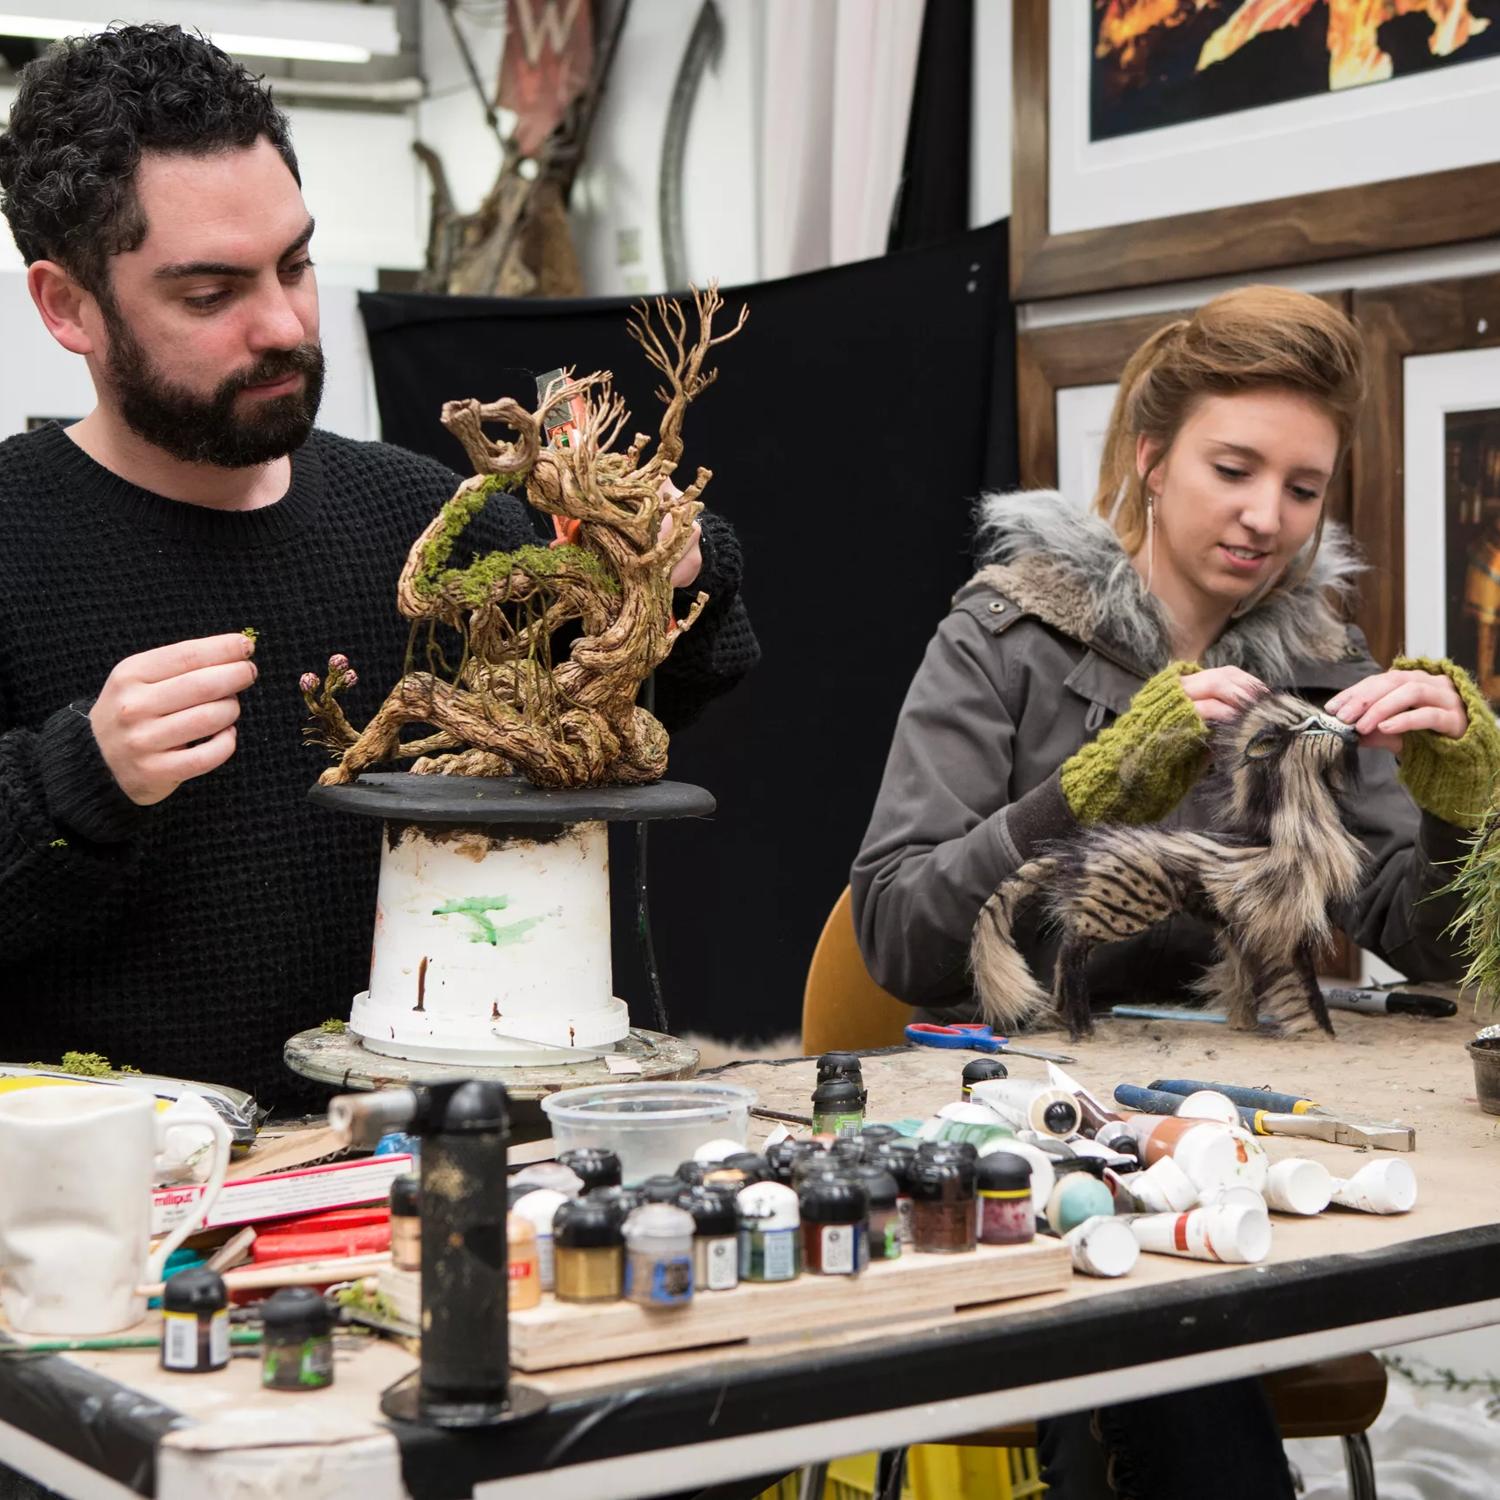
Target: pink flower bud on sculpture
[(310, 682), (339, 663), (350, 677)]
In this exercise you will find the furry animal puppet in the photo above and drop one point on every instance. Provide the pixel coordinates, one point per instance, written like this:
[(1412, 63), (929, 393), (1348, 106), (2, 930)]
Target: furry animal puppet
[(1266, 880)]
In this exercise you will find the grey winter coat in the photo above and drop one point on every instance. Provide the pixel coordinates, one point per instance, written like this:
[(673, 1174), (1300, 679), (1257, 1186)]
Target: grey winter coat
[(1045, 646)]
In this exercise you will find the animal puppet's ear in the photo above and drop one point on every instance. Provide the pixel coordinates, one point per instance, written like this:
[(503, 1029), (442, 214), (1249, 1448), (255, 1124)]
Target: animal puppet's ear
[(1262, 744)]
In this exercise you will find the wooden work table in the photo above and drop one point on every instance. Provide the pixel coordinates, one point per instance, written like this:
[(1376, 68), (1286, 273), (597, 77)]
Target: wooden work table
[(1332, 1285)]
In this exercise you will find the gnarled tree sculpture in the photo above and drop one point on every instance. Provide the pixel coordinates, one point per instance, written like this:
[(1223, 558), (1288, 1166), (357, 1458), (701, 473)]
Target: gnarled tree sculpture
[(506, 707)]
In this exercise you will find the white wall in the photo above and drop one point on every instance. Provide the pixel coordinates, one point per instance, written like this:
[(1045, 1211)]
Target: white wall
[(989, 152)]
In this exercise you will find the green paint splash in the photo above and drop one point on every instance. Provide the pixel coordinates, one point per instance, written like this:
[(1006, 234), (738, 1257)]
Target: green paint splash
[(477, 910)]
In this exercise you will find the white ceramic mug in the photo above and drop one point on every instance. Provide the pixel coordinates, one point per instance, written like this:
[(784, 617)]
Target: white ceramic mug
[(76, 1171)]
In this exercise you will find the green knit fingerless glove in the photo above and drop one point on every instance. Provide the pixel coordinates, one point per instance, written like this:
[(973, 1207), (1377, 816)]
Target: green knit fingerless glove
[(1455, 780), (1144, 764)]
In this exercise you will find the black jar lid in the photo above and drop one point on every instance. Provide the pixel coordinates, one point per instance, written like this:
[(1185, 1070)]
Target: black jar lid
[(848, 1150), (878, 1181), (945, 1150), (295, 1312), (195, 1290), (751, 1163), (585, 1224), (941, 1179), (659, 1189), (873, 1133), (838, 1094), (782, 1158), (714, 1211), (833, 1200), (805, 1168), (406, 1194), (897, 1157), (595, 1166), (840, 1065), (693, 1172), (1003, 1172), (619, 1200), (982, 1069)]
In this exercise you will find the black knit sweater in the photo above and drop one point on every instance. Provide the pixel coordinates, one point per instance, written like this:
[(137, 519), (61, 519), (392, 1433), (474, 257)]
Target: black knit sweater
[(195, 936)]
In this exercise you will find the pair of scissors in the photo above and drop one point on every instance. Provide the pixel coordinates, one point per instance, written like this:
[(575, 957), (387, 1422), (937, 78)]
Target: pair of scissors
[(974, 1037)]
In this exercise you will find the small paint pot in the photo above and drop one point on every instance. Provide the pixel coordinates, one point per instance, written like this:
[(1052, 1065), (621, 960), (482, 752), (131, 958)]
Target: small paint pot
[(595, 1166), (619, 1199), (538, 1208), (870, 1134), (770, 1233), (848, 1150), (755, 1167), (843, 1065), (659, 1189), (588, 1252), (693, 1172), (783, 1157), (406, 1222), (716, 1150), (885, 1218), (716, 1245), (942, 1195), (523, 1265), (819, 1164), (195, 1321), (296, 1341), (838, 1103), (550, 1174), (835, 1228), (659, 1256), (1003, 1182), (897, 1158), (731, 1179), (981, 1070)]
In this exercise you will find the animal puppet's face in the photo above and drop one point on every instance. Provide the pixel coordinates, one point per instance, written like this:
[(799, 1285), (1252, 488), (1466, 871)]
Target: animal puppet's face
[(1279, 729)]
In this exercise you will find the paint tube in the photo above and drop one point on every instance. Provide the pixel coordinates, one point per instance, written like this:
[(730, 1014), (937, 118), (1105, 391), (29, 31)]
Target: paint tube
[(1077, 1197), (1025, 1105), (1379, 1187), (1102, 1246), (1094, 1114), (1229, 1194), (1251, 1164), (1208, 1104), (1163, 1188), (1298, 1185), (1207, 1152), (1228, 1233)]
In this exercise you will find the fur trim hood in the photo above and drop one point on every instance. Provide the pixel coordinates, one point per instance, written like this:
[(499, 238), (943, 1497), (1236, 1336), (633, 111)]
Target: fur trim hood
[(1067, 568)]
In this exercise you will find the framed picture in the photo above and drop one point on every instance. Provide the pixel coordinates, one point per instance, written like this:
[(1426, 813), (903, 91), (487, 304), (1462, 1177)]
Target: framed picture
[(1425, 502), (1163, 143)]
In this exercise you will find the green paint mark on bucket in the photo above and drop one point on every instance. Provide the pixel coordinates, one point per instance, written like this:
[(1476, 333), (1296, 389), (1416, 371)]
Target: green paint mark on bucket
[(477, 910)]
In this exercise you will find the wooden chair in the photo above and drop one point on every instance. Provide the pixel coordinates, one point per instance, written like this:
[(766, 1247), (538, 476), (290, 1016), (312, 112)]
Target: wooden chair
[(843, 1009)]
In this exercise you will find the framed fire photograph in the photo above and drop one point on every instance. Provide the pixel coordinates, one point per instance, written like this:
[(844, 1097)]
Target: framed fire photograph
[(1169, 142)]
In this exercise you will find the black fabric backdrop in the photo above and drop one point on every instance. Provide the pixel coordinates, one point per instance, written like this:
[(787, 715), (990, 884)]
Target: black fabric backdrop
[(855, 418)]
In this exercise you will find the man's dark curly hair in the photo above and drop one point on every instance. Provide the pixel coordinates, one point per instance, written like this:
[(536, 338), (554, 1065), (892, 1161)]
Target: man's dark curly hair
[(86, 111)]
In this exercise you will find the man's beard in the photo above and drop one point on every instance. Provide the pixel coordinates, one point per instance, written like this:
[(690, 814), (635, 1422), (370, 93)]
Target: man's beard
[(209, 430)]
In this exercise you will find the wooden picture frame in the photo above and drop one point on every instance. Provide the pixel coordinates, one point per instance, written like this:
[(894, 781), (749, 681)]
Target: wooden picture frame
[(1434, 317), (1407, 213)]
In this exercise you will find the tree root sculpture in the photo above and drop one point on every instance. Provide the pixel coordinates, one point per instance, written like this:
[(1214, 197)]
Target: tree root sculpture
[(506, 708)]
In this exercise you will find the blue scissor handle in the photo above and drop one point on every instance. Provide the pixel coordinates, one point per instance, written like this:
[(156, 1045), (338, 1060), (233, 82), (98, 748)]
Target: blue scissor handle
[(971, 1036)]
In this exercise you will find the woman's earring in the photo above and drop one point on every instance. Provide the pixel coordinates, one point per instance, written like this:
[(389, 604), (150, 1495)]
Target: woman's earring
[(1150, 540)]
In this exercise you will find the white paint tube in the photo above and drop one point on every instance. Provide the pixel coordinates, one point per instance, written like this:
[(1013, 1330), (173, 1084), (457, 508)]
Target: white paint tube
[(1251, 1164), (1229, 1233), (1025, 1105), (1379, 1187), (1102, 1246), (1163, 1188), (1231, 1193), (1298, 1185), (1208, 1104)]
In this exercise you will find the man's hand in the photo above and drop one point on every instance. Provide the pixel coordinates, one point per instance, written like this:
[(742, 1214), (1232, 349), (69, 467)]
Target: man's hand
[(1386, 706), (168, 715), (685, 574), (1222, 693)]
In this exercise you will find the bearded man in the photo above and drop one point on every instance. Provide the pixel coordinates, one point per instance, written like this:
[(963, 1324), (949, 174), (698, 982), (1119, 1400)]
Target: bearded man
[(167, 896)]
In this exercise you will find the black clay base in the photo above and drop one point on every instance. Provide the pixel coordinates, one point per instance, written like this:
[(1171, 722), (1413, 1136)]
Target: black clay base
[(403, 1402)]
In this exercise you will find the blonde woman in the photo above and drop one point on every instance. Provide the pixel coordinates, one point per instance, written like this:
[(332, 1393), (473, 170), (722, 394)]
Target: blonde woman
[(1075, 682)]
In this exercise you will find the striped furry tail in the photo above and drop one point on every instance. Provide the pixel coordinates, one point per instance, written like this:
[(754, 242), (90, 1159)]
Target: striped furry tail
[(1008, 991)]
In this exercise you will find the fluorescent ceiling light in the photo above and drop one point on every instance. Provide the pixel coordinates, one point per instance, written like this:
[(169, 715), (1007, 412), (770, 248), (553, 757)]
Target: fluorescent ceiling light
[(308, 30)]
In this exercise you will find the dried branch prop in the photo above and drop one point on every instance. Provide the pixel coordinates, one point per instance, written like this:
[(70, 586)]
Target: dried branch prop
[(1280, 863), (504, 707)]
